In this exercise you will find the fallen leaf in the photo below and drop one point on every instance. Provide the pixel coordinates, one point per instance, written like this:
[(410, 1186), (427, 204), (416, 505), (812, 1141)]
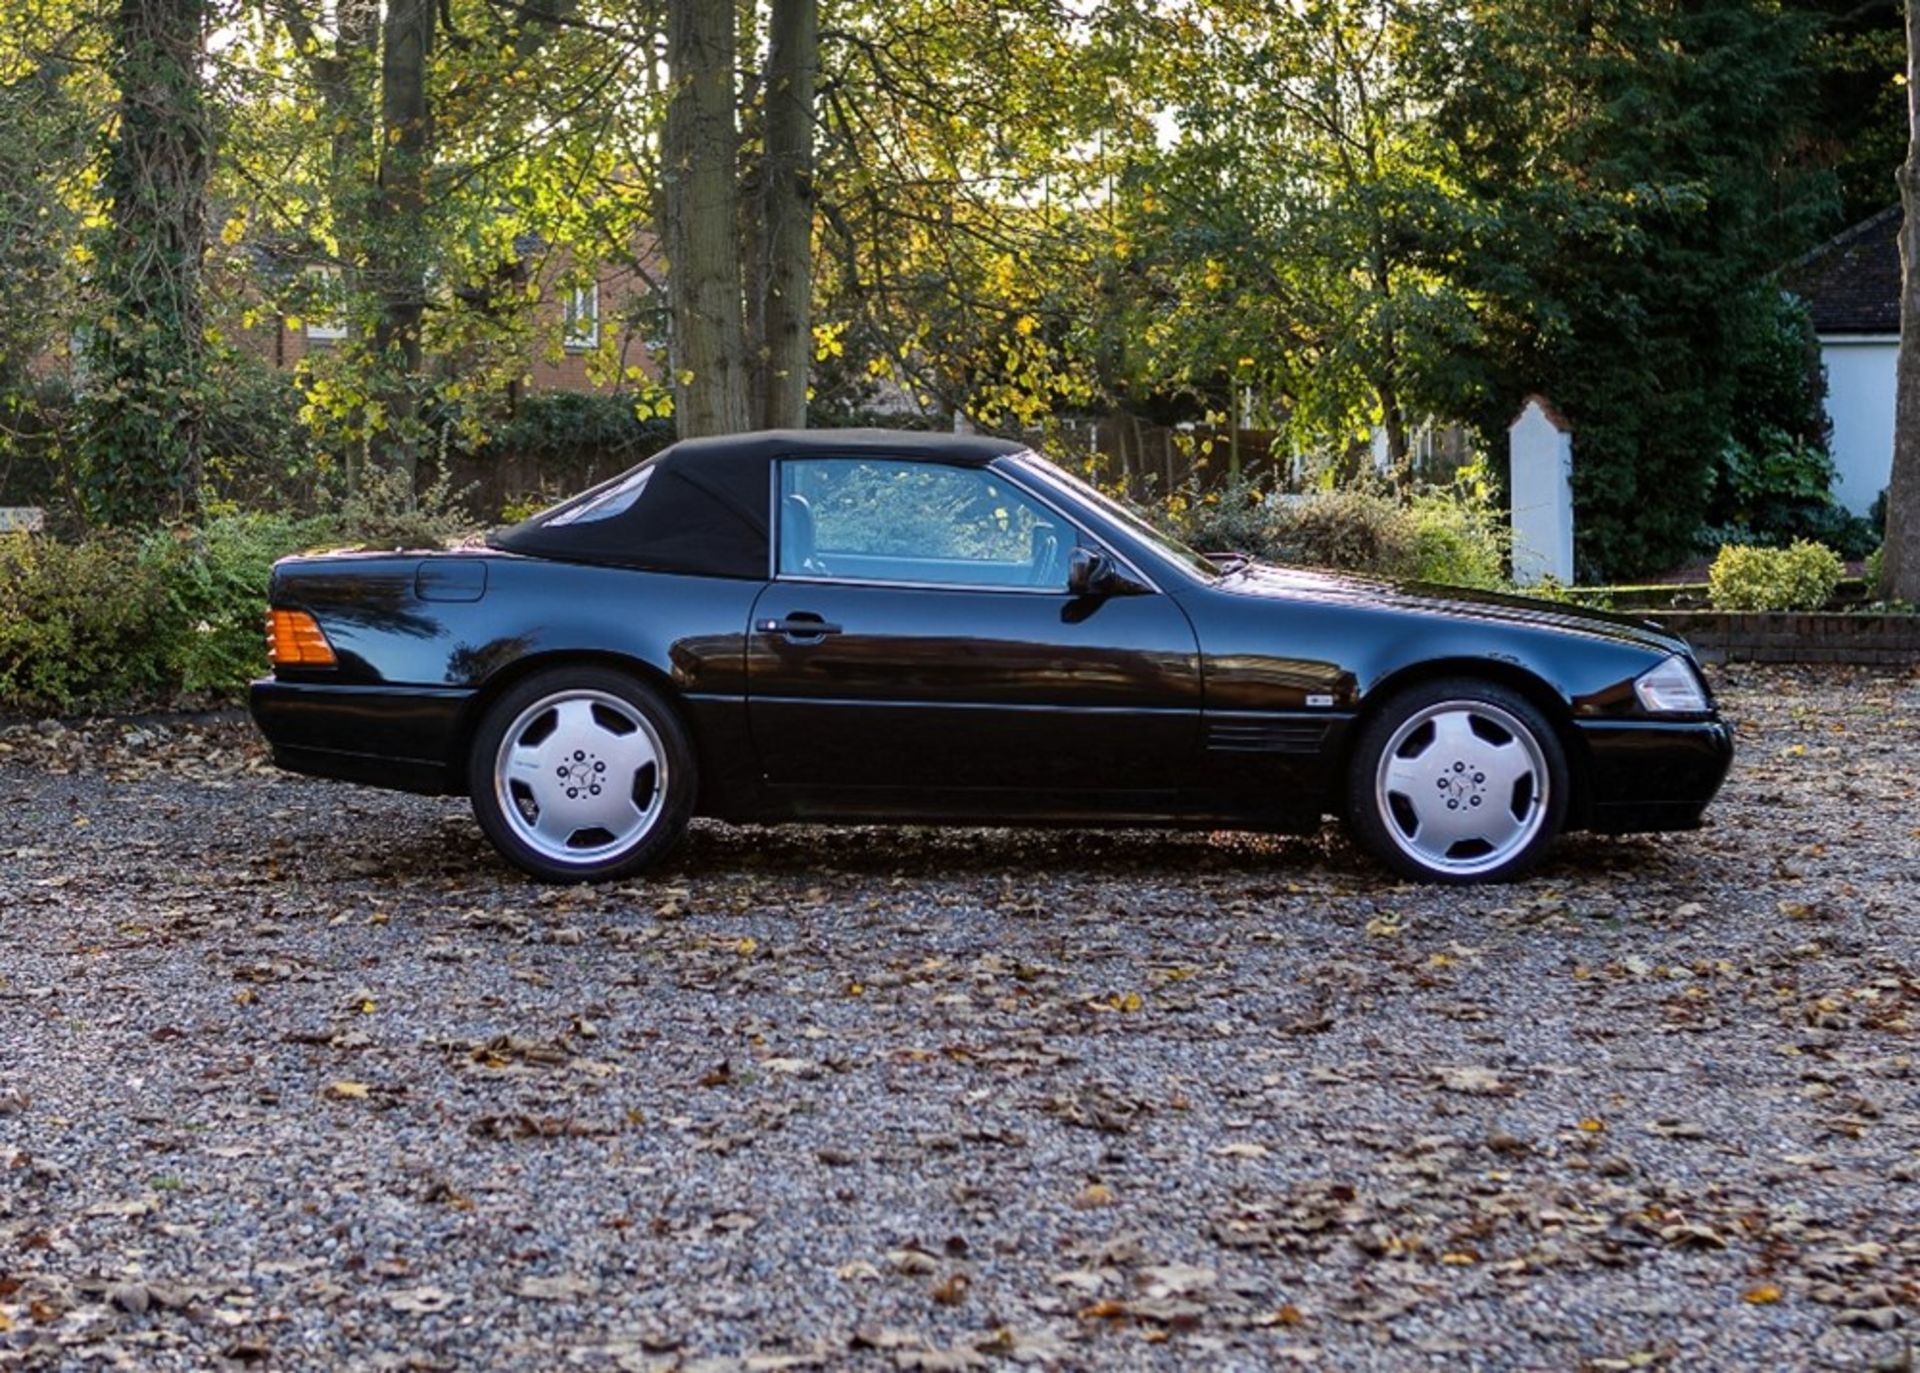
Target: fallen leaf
[(560, 1287), (419, 1301), (1473, 1081)]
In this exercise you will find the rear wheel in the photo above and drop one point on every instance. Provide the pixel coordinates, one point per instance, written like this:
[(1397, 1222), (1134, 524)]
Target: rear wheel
[(581, 774), (1458, 781)]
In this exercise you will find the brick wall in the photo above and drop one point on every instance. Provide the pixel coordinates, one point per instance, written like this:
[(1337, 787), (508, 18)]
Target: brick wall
[(1798, 637)]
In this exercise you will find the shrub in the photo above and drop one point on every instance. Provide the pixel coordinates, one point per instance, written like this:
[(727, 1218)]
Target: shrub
[(1459, 539), (1351, 529), (214, 582), (1449, 535), (1778, 488), (110, 622), (79, 623), (1236, 518), (556, 428), (386, 511), (259, 453), (1800, 577)]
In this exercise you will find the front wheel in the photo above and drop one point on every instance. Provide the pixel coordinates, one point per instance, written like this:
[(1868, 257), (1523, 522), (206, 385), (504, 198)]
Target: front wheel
[(581, 774), (1458, 781)]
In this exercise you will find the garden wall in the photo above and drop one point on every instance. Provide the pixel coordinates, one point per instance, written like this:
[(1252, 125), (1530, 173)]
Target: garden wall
[(1797, 637)]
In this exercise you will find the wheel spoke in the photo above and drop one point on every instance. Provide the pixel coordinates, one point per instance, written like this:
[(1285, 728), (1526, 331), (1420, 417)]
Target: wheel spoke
[(1411, 778), (1499, 826), (577, 724), (628, 753), (1453, 734), (1504, 765), (555, 824)]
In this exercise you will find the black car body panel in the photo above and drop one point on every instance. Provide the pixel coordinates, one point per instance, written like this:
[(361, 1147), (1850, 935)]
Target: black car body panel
[(1190, 695)]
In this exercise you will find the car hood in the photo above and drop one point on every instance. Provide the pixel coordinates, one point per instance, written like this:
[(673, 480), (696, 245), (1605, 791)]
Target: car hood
[(1268, 580)]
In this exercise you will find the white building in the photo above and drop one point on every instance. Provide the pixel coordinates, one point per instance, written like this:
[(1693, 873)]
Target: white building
[(1851, 285)]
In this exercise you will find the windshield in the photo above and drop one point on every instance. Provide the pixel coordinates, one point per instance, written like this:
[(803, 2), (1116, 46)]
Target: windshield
[(1120, 513)]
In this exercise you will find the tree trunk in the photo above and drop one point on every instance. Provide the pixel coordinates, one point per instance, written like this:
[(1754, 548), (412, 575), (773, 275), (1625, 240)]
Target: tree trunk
[(784, 302), (698, 150), (396, 257), (1900, 566), (141, 453)]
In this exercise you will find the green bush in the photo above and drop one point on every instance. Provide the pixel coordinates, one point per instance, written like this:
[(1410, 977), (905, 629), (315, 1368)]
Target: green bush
[(565, 429), (214, 580), (79, 623), (1801, 576), (1447, 535), (1776, 489), (110, 622), (1459, 539)]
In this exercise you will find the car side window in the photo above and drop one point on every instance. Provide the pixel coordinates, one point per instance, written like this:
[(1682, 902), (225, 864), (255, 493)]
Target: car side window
[(892, 520)]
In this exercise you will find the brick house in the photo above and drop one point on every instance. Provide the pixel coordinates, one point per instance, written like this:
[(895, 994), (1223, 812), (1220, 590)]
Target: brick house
[(608, 326)]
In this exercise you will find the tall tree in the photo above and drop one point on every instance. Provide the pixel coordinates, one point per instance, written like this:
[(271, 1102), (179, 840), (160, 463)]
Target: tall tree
[(782, 306), (700, 149), (140, 457), (1297, 233), (1632, 164), (1900, 565)]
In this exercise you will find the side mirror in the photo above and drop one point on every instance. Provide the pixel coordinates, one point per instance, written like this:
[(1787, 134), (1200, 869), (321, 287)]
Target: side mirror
[(1089, 573)]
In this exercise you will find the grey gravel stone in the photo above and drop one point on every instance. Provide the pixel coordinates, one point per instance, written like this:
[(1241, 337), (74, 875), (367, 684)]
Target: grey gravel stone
[(302, 1076)]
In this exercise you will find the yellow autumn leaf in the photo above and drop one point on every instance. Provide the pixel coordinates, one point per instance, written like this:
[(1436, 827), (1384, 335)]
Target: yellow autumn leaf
[(348, 1091), (1765, 1294)]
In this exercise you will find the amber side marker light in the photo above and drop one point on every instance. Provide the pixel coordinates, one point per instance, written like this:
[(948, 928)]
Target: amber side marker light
[(295, 639)]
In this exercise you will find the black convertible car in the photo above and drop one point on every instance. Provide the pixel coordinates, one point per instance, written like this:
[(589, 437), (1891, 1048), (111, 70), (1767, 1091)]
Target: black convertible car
[(871, 626)]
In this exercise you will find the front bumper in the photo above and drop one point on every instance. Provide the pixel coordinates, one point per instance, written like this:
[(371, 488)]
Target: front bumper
[(404, 738), (1653, 774)]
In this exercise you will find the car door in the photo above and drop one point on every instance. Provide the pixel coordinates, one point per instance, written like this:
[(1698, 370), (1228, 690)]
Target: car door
[(919, 638)]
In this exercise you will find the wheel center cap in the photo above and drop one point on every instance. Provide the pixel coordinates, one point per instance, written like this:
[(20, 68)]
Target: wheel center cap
[(581, 773), (1463, 785)]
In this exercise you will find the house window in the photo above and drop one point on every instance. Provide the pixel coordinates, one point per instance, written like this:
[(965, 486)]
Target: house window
[(327, 325), (582, 331)]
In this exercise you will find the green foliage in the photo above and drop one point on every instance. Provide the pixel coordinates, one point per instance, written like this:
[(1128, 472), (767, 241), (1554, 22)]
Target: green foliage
[(1460, 538), (1802, 576), (1777, 494), (214, 581), (1450, 536), (386, 511), (112, 620), (574, 430), (258, 453), (1292, 242), (1632, 181), (1772, 480), (78, 623), (138, 460)]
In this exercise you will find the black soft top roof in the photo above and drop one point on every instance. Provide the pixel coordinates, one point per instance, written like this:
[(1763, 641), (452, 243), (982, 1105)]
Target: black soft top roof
[(703, 509)]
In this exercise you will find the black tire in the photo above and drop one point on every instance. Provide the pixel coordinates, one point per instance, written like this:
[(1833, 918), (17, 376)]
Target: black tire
[(606, 712), (1415, 812)]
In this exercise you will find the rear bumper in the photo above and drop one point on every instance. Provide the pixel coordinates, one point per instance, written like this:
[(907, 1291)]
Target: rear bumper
[(1653, 774), (398, 737)]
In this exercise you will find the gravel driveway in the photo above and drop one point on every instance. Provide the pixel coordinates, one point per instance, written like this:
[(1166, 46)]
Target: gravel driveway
[(298, 1075)]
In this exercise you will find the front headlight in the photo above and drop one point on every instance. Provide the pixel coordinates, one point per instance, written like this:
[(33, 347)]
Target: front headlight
[(1673, 688)]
